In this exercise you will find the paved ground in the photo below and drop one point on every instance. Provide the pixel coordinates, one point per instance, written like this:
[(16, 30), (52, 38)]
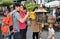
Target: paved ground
[(44, 34)]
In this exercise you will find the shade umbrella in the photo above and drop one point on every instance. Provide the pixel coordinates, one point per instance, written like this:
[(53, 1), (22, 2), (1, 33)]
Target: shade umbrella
[(53, 4)]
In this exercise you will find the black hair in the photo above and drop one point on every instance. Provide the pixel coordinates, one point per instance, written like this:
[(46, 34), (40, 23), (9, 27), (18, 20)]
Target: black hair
[(24, 8), (22, 5), (8, 8), (35, 8), (16, 5), (35, 2)]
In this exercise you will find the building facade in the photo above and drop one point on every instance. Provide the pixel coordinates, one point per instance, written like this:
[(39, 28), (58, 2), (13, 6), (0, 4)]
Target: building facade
[(43, 1)]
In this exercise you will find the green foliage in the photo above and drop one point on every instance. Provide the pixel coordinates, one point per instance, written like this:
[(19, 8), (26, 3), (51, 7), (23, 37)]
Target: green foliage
[(1, 3), (6, 2), (30, 6)]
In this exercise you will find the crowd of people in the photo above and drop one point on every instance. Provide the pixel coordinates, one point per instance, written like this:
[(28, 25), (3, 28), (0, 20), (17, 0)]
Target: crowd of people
[(18, 26), (19, 22)]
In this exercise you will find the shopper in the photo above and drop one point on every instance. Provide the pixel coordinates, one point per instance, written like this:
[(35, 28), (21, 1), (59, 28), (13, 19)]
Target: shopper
[(16, 18), (10, 24), (7, 21), (57, 15), (35, 26), (23, 26), (51, 32)]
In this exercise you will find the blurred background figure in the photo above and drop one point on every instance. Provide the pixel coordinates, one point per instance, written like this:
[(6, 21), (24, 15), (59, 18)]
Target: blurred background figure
[(51, 32), (35, 27), (8, 21), (6, 11), (57, 15)]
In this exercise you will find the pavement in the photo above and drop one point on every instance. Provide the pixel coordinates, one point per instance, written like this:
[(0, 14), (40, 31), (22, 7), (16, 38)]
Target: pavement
[(44, 34), (29, 32)]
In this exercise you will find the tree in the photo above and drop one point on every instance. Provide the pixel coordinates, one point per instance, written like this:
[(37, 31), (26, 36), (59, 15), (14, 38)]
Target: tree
[(1, 3), (30, 6), (7, 2)]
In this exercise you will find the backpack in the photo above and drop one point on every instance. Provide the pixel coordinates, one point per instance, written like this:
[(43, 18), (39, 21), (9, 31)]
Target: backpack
[(7, 22), (5, 29)]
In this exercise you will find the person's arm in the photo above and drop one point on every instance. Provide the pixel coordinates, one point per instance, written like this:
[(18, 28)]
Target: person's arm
[(54, 16), (58, 16), (24, 19)]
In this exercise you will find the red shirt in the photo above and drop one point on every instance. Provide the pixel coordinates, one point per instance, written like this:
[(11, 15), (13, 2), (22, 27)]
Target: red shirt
[(22, 25)]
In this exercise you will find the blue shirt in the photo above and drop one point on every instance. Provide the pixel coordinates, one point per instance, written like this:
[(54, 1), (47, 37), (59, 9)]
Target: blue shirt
[(15, 18), (57, 14)]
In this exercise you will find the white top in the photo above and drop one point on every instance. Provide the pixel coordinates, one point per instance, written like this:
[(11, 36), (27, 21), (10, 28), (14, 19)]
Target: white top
[(51, 32)]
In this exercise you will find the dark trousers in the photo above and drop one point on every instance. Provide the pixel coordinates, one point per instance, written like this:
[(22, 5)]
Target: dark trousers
[(35, 34), (10, 37), (11, 28), (17, 35), (58, 19), (23, 33)]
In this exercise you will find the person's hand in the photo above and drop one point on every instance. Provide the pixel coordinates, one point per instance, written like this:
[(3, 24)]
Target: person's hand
[(13, 31), (28, 13), (58, 16)]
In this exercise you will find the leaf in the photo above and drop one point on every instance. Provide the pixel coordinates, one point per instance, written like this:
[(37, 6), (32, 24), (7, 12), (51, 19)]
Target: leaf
[(30, 6)]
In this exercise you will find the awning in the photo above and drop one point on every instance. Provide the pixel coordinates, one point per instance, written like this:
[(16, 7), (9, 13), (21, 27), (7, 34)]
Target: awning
[(53, 4), (41, 10)]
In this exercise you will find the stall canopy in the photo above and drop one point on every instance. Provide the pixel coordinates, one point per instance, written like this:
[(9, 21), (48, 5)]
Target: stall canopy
[(53, 4), (41, 9)]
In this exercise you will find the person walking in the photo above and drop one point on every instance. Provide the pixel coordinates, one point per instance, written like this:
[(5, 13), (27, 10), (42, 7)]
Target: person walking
[(51, 32), (16, 18)]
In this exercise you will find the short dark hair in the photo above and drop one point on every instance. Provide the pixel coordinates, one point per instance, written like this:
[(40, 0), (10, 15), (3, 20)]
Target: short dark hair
[(16, 5), (23, 6)]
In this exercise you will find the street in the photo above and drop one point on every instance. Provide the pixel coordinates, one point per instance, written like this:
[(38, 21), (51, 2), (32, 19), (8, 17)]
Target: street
[(44, 34), (29, 33)]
